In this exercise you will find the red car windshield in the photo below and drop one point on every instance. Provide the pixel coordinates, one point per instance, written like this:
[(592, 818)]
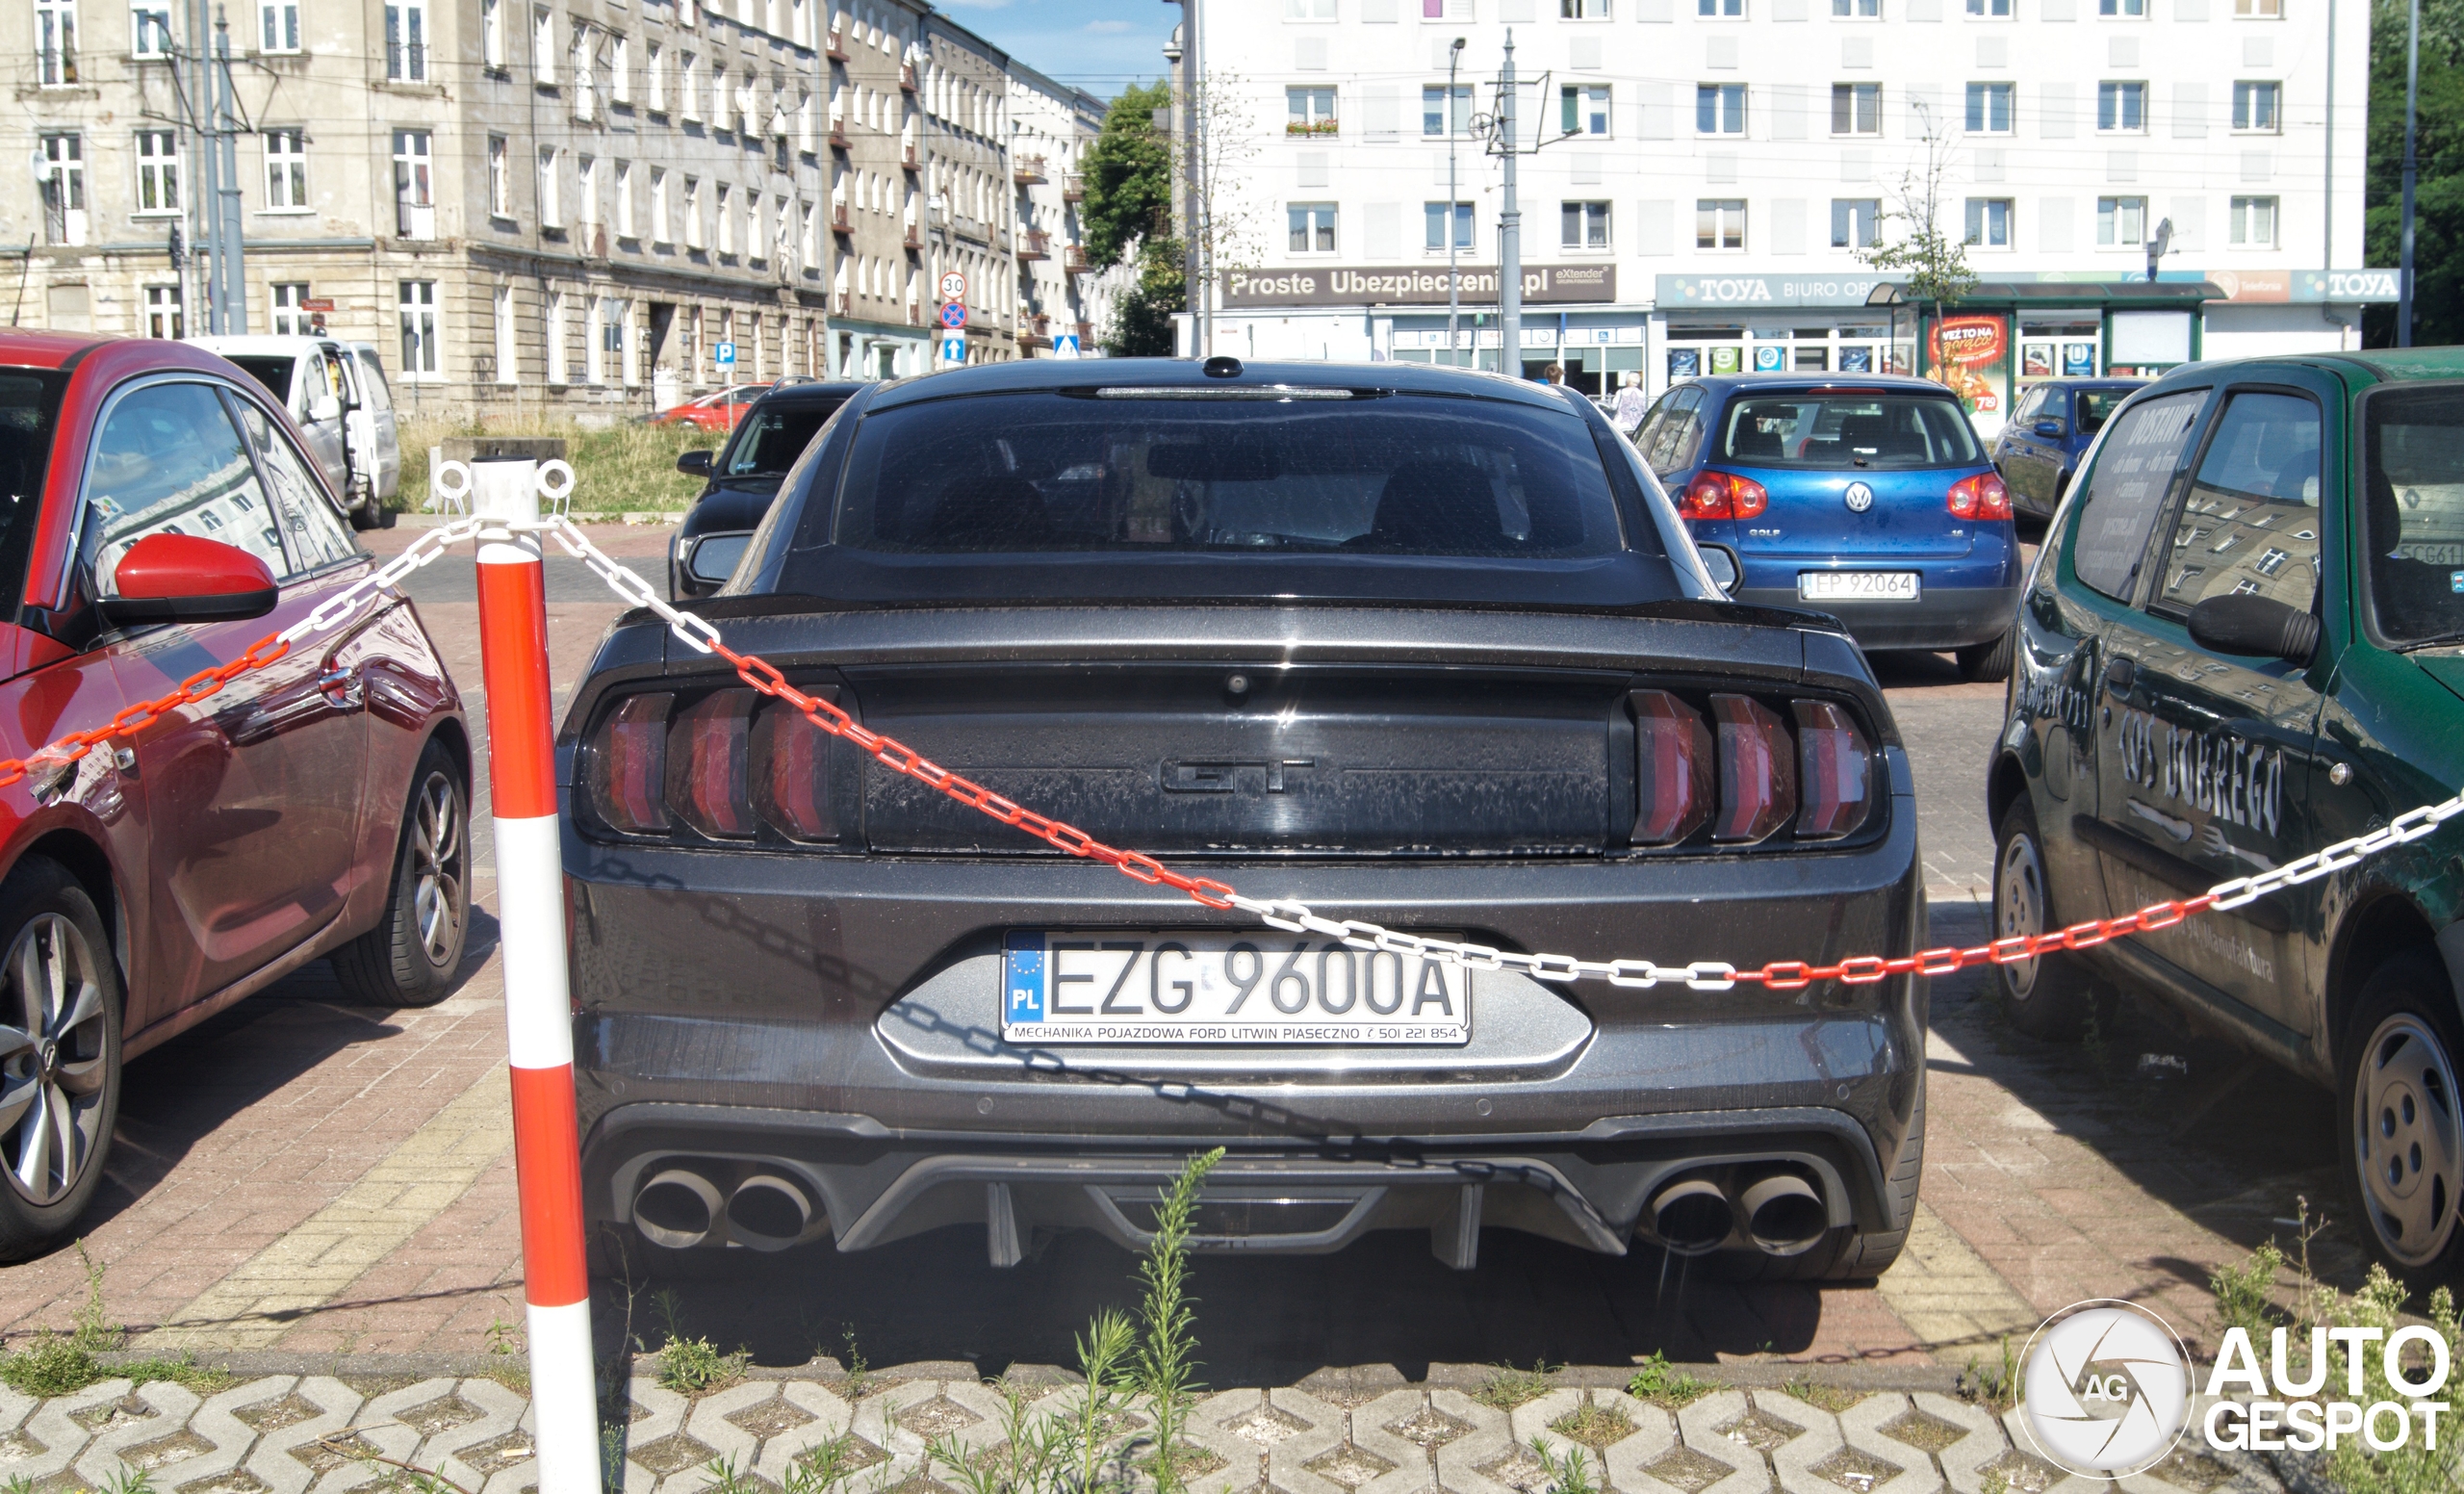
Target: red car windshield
[(29, 413)]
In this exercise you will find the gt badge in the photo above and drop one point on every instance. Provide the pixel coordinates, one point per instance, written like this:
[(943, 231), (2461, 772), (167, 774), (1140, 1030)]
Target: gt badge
[(1860, 498)]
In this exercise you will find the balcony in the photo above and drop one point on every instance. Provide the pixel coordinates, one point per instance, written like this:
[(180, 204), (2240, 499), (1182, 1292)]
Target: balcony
[(1085, 335), (914, 239), (906, 77), (1028, 171), (1311, 127), (915, 315), (908, 157), (845, 302), (837, 134), (1035, 244), (1073, 188), (836, 46), (1034, 340), (839, 222), (1073, 260)]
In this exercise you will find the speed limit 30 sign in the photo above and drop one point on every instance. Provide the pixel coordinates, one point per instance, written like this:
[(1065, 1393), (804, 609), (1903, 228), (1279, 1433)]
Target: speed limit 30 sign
[(953, 286)]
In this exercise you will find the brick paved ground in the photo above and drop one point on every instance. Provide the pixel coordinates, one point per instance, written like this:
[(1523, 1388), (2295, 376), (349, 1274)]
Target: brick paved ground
[(300, 1176)]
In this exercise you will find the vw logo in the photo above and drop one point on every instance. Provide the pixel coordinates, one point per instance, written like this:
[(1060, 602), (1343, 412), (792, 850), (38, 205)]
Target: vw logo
[(2108, 1388), (1860, 498)]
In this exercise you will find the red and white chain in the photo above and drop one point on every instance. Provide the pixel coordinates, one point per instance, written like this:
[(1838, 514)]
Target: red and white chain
[(1296, 918)]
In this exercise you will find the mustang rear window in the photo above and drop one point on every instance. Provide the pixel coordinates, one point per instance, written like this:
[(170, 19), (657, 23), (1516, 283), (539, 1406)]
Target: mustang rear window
[(1835, 430), (1149, 470), (2414, 506)]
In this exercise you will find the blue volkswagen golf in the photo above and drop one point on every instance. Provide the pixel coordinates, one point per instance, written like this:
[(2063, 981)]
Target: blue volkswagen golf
[(1868, 498)]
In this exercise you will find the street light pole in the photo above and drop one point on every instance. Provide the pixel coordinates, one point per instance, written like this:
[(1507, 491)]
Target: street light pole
[(2412, 101), (1509, 233), (230, 268), (1453, 196)]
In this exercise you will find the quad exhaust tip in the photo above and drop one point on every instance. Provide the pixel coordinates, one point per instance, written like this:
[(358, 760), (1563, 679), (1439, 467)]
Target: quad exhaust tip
[(767, 1212), (1692, 1217), (676, 1208), (1783, 1214)]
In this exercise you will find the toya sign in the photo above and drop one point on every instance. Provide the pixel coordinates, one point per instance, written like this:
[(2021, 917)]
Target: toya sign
[(1745, 292), (1413, 285)]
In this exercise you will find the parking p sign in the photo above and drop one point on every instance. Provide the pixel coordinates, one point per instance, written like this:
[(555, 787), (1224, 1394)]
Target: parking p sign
[(726, 355)]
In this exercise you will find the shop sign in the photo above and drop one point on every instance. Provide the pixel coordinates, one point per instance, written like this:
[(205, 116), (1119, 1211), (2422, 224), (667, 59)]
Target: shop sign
[(2245, 287), (1678, 291), (1413, 285)]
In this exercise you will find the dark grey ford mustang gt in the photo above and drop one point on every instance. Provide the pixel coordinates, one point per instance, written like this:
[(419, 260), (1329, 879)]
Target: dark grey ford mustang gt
[(1413, 645)]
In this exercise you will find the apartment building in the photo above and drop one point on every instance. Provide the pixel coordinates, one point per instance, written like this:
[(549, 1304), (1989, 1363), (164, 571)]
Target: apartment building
[(1700, 175), (580, 206), (1063, 307)]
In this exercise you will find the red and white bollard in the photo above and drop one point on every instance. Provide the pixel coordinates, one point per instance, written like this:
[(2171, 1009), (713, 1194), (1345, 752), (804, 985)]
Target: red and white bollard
[(538, 999)]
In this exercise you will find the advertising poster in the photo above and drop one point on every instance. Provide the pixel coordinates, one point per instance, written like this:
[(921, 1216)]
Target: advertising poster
[(1856, 360), (2078, 360), (1684, 363), (2035, 360), (1770, 358), (1971, 353), (1726, 360)]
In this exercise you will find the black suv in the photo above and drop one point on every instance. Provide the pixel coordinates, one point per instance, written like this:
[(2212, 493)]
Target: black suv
[(744, 477)]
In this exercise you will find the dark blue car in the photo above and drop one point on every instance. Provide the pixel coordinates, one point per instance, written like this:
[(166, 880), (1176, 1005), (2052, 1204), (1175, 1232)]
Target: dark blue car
[(1866, 497), (2047, 434)]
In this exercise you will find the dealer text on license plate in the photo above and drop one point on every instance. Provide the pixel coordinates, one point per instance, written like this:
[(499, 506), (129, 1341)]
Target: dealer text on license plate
[(1858, 585), (1127, 987)]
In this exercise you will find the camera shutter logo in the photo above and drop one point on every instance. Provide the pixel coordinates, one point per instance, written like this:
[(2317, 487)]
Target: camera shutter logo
[(2108, 1388), (1860, 498)]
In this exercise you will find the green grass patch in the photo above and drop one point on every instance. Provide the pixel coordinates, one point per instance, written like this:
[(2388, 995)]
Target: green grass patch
[(1508, 1387), (1665, 1384), (627, 468)]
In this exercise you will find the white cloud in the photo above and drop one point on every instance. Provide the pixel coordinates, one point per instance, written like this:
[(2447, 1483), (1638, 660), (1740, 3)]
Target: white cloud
[(1104, 28)]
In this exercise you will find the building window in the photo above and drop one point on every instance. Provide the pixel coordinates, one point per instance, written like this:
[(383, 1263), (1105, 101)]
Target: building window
[(654, 76), (1312, 227), (2258, 106), (661, 217), (2121, 222), (55, 42), (500, 178), (1719, 109), (1719, 224), (162, 318), (278, 25), (1856, 109), (1988, 108), (2121, 106), (1308, 10), (491, 34), (625, 226), (417, 301), (1583, 108), (688, 86), (290, 313), (551, 205), (2121, 7), (1722, 8), (557, 336), (1857, 9), (2254, 222), (1435, 215), (158, 171), (1990, 8), (1856, 222), (406, 41), (509, 352), (726, 219), (1988, 223), (286, 170), (149, 29), (1582, 10), (2259, 10), (61, 177), (692, 212), (619, 69), (414, 185), (586, 196), (1436, 118), (1583, 225), (543, 43), (810, 238), (1309, 111)]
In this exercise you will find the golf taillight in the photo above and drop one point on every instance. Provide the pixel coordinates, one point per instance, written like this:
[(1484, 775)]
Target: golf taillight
[(1980, 496), (1833, 777), (1758, 772), (724, 766), (1673, 768), (1724, 495)]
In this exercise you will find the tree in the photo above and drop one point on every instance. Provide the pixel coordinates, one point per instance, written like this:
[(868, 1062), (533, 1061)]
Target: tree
[(2438, 193), (1934, 257), (1128, 215)]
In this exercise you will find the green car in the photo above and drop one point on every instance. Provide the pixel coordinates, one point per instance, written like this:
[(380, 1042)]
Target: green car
[(2243, 641)]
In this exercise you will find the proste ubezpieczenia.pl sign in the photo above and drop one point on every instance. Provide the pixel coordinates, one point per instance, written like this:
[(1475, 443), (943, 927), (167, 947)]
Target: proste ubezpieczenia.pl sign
[(1413, 285)]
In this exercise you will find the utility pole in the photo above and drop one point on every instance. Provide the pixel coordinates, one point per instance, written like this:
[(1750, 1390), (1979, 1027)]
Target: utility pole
[(1510, 234), (1196, 284), (230, 261), (2412, 101), (1453, 196), (204, 236)]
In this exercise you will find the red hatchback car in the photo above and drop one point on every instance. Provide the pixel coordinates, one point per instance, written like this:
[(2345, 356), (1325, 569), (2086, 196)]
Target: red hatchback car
[(718, 411), (159, 514)]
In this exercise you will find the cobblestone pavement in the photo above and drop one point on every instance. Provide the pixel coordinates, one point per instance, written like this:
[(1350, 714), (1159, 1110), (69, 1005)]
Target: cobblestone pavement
[(1337, 1434), (301, 1177)]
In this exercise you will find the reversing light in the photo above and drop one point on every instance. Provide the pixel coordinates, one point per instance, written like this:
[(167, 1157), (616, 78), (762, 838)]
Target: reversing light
[(1757, 770), (1980, 496), (1673, 768), (706, 751), (628, 766), (1724, 495), (1832, 760), (792, 783)]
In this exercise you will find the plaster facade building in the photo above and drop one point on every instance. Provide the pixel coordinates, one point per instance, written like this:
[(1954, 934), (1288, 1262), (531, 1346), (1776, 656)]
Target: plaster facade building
[(1051, 127), (971, 219), (1706, 171), (880, 305)]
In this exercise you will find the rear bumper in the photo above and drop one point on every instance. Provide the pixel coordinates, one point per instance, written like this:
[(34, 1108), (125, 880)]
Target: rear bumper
[(1942, 617)]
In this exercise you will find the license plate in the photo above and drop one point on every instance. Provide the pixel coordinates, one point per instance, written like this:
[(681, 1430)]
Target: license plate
[(1228, 989), (1858, 585)]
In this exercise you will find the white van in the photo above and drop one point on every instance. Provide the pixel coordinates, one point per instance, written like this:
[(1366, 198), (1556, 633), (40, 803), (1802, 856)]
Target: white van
[(343, 405)]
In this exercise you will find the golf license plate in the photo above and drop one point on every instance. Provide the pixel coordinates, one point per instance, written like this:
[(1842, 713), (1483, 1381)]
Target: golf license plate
[(1857, 587), (1162, 987)]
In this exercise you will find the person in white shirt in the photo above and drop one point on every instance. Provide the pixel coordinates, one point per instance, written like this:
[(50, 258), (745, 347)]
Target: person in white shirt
[(1630, 406)]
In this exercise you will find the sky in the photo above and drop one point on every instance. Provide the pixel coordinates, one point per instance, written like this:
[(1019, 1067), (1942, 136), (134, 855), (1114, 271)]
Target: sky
[(1099, 45)]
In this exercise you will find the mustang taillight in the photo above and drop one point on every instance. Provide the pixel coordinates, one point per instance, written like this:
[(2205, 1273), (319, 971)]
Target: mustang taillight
[(723, 765), (1758, 772), (1724, 495), (1981, 497), (1673, 768), (1832, 760)]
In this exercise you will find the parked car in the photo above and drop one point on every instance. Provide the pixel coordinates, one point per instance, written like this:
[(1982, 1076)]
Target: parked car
[(718, 411), (326, 387), (2041, 445), (376, 429), (743, 477), (1421, 643), (2243, 641), (164, 515), (1865, 496)]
